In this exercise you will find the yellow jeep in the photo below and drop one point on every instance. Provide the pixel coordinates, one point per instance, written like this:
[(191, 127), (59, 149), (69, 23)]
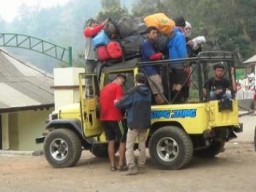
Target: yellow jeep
[(197, 126)]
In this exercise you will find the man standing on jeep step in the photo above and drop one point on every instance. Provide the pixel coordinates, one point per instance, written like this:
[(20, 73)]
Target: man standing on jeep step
[(112, 120)]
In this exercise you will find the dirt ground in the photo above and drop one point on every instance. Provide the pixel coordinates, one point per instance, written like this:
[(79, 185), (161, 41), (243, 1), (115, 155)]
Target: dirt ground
[(233, 170)]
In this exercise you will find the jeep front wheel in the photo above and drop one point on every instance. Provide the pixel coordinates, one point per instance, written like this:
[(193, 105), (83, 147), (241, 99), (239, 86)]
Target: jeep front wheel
[(170, 148), (62, 148)]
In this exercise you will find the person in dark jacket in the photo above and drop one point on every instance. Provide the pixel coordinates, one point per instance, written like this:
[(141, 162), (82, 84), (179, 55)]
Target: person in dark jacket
[(137, 102)]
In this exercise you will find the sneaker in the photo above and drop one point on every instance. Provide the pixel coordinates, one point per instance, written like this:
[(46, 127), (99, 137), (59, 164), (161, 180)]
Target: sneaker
[(132, 171)]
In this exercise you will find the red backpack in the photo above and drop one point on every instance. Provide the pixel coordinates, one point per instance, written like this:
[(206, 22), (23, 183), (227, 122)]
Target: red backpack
[(115, 50), (102, 53)]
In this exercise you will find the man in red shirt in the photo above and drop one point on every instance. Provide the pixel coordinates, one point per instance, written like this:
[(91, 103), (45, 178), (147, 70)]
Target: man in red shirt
[(111, 118)]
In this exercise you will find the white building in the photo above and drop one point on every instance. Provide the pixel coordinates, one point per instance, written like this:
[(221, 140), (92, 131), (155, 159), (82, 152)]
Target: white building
[(26, 99)]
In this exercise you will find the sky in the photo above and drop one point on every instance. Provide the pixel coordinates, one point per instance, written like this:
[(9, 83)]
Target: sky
[(9, 8)]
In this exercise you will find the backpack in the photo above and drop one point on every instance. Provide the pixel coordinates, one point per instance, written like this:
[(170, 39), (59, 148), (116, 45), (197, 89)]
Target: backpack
[(100, 39), (132, 45), (115, 50), (102, 53), (159, 20), (129, 26)]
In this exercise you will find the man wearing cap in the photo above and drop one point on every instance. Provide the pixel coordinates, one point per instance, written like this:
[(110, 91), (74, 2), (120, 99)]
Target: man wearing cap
[(92, 27), (137, 102), (217, 85), (177, 50), (112, 120)]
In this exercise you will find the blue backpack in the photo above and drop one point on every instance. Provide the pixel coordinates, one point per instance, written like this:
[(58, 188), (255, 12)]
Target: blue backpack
[(100, 39)]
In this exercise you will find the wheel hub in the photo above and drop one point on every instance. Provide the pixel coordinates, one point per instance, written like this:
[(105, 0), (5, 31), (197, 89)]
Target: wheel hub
[(167, 149), (59, 149)]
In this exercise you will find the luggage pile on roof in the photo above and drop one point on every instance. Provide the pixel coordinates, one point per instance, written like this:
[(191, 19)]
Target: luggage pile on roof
[(122, 40)]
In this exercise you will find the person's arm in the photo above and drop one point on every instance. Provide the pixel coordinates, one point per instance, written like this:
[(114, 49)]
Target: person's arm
[(92, 31), (150, 53), (126, 101)]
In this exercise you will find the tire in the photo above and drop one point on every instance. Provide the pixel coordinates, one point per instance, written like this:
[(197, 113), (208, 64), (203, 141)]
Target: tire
[(170, 148), (62, 148), (214, 149)]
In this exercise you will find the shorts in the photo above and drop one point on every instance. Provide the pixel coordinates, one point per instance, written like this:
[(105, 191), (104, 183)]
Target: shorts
[(115, 130), (180, 76), (155, 84)]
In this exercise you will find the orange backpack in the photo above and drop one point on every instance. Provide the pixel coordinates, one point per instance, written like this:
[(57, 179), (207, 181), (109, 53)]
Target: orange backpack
[(164, 24)]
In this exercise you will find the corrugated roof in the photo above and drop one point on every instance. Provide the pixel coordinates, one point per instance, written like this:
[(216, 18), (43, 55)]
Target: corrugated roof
[(23, 86)]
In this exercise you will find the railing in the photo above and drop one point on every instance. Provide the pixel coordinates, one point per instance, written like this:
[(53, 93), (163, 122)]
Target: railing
[(38, 45)]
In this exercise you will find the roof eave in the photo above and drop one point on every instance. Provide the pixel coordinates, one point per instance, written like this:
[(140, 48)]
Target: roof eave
[(26, 108)]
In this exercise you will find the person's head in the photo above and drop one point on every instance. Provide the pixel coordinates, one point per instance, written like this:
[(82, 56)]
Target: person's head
[(180, 23), (120, 79), (140, 78), (152, 33), (91, 22), (188, 29), (218, 70)]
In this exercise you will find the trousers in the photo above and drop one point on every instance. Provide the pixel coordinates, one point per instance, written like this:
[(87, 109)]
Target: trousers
[(132, 135)]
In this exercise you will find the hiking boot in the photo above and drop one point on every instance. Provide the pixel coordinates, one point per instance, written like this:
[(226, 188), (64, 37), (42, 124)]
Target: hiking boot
[(142, 170), (132, 171)]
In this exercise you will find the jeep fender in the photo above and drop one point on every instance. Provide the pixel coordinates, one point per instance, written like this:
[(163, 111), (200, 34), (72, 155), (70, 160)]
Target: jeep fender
[(71, 124)]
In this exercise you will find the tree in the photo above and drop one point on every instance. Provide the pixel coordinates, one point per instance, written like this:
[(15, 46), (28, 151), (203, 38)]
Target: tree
[(227, 25), (112, 9)]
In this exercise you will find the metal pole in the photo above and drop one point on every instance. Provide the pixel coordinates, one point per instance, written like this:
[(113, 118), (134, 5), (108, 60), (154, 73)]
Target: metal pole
[(70, 56)]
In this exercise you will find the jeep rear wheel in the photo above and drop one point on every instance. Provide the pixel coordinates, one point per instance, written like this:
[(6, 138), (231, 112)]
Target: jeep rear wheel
[(170, 148), (62, 148)]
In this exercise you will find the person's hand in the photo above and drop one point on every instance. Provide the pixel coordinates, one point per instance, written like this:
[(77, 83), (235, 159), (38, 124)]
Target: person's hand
[(104, 22), (190, 42), (115, 101), (218, 91)]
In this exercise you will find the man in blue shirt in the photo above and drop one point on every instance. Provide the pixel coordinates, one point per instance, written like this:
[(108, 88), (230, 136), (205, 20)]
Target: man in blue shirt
[(149, 53), (177, 50)]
